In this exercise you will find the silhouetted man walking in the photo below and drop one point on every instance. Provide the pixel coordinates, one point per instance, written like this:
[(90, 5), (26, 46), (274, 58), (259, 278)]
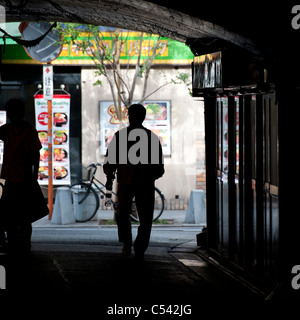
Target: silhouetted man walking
[(135, 155)]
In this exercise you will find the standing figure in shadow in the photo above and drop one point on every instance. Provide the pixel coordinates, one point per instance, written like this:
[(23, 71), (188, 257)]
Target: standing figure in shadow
[(19, 170), (135, 156)]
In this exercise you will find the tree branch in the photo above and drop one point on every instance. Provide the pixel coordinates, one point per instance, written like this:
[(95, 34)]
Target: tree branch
[(137, 69), (146, 97), (148, 67)]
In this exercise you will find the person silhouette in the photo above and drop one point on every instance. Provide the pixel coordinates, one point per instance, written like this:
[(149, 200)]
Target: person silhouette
[(19, 170), (135, 156)]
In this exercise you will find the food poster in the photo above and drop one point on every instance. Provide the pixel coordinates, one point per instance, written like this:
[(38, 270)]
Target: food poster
[(60, 141), (157, 119), (2, 122)]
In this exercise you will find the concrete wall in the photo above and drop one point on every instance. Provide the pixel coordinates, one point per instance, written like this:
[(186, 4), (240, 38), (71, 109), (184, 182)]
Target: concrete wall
[(187, 129)]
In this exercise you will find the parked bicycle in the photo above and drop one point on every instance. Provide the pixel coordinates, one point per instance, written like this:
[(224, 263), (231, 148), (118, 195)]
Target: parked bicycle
[(85, 194)]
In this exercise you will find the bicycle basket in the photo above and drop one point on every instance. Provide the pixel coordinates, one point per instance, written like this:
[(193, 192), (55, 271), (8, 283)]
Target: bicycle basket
[(87, 172)]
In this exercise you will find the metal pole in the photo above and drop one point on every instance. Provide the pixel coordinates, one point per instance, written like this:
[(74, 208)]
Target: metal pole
[(48, 95)]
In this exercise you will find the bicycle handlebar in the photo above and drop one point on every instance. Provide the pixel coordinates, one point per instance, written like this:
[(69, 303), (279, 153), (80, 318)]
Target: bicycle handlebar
[(98, 164)]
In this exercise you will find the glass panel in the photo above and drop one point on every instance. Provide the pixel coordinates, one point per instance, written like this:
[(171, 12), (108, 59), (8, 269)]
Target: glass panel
[(225, 134), (237, 126), (218, 135), (274, 142), (253, 136)]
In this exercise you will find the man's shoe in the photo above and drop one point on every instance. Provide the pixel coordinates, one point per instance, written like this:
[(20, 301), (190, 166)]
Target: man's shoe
[(126, 251)]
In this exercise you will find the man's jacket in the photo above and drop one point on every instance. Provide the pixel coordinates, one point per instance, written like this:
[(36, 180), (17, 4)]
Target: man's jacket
[(135, 155)]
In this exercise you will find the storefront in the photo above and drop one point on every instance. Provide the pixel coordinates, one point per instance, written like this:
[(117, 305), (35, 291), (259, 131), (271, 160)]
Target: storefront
[(22, 81), (173, 113), (242, 156)]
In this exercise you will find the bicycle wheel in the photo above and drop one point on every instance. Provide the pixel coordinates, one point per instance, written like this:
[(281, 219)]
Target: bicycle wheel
[(85, 201), (159, 205)]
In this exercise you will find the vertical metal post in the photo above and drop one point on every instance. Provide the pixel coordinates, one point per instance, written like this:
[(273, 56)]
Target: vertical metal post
[(48, 95)]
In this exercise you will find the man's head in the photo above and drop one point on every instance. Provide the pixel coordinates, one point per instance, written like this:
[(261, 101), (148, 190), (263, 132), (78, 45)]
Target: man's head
[(15, 109), (136, 114)]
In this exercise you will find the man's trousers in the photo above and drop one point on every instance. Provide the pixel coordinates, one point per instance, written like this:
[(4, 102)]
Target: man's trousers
[(144, 199)]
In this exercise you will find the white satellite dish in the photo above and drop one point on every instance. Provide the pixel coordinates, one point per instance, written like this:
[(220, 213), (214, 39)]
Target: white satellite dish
[(49, 48)]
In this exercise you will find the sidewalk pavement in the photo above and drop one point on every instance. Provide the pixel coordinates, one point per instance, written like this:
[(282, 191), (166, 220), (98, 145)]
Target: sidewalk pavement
[(82, 278), (175, 218), (98, 277), (173, 282)]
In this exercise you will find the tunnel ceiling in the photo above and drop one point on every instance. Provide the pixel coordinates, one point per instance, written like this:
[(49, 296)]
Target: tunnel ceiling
[(166, 18), (262, 27)]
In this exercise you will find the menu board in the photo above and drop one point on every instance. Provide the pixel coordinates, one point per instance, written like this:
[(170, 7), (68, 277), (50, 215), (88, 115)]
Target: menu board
[(157, 120), (60, 140)]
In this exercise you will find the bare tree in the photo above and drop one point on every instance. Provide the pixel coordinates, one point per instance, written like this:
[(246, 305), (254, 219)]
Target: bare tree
[(107, 59)]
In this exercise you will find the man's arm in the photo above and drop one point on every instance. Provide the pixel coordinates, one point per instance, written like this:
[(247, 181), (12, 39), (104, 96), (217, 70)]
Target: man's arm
[(35, 149), (2, 132), (156, 153), (160, 168)]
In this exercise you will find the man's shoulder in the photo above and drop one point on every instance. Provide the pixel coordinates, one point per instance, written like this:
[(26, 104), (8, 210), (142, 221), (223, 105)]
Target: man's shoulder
[(122, 130), (5, 126), (3, 129), (147, 130), (29, 127), (143, 129), (127, 130)]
